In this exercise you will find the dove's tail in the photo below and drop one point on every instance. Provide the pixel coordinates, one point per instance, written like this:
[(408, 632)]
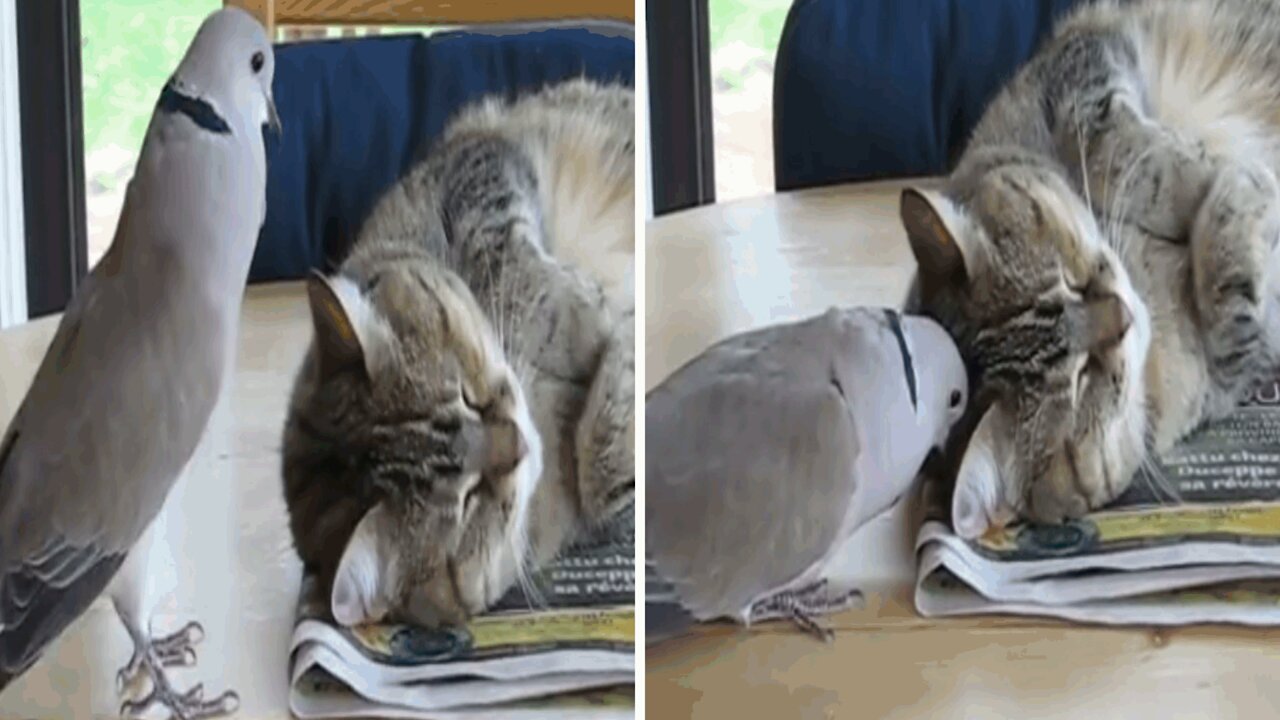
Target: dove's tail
[(665, 620), (35, 609), (664, 616)]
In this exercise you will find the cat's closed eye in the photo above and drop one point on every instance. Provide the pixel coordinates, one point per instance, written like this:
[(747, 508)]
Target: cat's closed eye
[(476, 405), (1080, 288), (1083, 375), (470, 497), (397, 476)]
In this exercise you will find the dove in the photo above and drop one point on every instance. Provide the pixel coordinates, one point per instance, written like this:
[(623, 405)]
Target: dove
[(768, 450), (136, 366)]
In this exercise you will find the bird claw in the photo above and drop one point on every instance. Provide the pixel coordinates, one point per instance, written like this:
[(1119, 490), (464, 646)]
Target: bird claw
[(177, 649), (179, 656), (127, 674), (803, 606), (174, 650), (811, 625), (189, 705)]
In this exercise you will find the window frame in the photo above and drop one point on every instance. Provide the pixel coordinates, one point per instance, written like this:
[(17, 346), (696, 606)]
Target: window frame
[(52, 131), (683, 146)]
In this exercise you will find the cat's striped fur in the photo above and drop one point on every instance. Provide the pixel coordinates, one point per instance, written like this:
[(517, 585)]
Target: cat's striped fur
[(490, 288), (1104, 250)]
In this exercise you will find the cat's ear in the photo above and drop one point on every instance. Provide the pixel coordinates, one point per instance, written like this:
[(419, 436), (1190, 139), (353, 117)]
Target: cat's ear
[(932, 224), (982, 483), (344, 325), (366, 573)]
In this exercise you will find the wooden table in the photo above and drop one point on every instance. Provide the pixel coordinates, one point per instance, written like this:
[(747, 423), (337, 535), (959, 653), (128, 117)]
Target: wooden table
[(239, 572), (718, 270)]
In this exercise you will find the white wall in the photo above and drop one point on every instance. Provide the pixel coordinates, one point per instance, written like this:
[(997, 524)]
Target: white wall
[(644, 169), (13, 278), (645, 180)]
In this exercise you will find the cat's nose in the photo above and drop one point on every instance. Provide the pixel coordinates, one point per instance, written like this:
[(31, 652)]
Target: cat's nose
[(1126, 320), (1107, 320), (522, 448), (507, 447)]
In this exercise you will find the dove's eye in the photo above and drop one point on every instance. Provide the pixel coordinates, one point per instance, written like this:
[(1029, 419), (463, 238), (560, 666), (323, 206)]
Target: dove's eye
[(956, 397), (257, 62)]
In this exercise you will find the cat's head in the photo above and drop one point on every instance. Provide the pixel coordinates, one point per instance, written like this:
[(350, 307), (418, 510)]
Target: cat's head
[(428, 424), (1012, 263)]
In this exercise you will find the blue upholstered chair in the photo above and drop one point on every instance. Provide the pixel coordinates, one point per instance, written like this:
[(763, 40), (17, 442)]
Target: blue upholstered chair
[(873, 89), (357, 112)]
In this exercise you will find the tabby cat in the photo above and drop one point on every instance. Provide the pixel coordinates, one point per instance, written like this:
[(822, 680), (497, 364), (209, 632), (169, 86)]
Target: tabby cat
[(1104, 250), (466, 406)]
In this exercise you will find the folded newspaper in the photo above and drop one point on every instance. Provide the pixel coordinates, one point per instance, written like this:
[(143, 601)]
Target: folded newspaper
[(561, 647), (1208, 551)]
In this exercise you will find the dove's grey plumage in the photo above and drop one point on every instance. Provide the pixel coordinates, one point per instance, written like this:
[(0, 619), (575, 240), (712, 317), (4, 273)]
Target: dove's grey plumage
[(768, 450), (138, 361)]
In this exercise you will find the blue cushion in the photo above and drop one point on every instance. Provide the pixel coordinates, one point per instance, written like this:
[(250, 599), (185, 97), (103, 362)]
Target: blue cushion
[(870, 89), (358, 112)]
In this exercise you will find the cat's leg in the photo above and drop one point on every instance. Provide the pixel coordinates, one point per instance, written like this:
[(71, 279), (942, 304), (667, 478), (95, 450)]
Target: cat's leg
[(606, 431), (1138, 172), (1232, 243), (1124, 162)]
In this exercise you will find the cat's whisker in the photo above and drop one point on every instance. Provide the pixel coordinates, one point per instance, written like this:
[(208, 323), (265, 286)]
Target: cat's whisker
[(1084, 167), (1116, 185), (1130, 174), (1163, 489), (524, 575), (1109, 196), (1124, 202), (518, 545)]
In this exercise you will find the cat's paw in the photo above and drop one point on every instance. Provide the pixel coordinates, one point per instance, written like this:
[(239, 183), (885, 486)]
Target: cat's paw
[(606, 431), (1234, 338), (1052, 502), (1148, 175), (1235, 234), (607, 478)]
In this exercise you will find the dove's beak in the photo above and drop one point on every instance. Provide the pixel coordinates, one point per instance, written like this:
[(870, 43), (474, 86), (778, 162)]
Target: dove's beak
[(273, 119)]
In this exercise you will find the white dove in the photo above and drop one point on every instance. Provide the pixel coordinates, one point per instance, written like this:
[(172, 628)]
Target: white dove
[(768, 450), (136, 366)]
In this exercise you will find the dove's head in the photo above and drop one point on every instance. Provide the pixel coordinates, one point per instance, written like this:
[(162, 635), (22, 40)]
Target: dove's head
[(230, 66), (944, 383)]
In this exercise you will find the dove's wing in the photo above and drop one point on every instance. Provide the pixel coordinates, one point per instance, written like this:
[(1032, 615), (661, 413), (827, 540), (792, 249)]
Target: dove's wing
[(54, 557), (751, 450), (123, 393), (870, 353)]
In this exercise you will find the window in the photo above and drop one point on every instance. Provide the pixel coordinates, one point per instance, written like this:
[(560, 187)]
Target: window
[(128, 50), (710, 99), (744, 41), (13, 268)]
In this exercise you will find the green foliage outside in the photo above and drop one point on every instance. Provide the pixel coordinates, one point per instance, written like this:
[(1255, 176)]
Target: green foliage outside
[(130, 48), (756, 24)]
